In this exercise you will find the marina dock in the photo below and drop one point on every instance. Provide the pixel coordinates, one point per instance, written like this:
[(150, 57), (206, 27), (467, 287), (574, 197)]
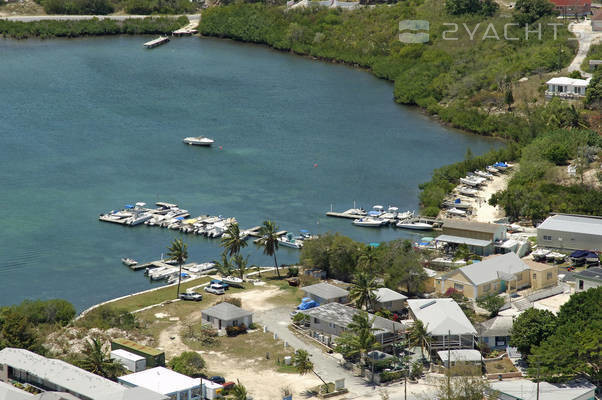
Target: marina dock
[(343, 215), (156, 42)]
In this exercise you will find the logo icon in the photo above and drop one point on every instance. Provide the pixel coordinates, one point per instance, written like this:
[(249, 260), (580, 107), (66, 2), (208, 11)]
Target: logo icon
[(413, 25)]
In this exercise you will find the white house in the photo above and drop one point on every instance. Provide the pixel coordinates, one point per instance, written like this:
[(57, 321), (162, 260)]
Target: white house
[(566, 87), (223, 315), (588, 279)]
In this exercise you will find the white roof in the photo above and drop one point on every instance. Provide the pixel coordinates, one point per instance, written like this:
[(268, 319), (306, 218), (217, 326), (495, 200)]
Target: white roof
[(9, 392), (385, 294), (460, 355), (573, 223), (494, 268), (430, 272), (568, 81), (62, 374), (127, 355), (527, 390), (441, 316), (497, 326), (161, 380)]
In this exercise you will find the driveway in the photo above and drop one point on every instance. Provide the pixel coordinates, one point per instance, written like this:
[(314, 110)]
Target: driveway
[(326, 365), (586, 37)]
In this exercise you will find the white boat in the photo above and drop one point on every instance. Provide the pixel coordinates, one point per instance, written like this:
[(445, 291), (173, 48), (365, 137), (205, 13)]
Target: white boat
[(483, 174), (468, 191), (390, 214), (540, 254), (201, 268), (139, 219), (290, 242), (369, 222), (129, 262), (555, 257), (233, 281), (455, 211), (492, 169), (405, 215), (198, 141), (356, 211), (420, 226), (472, 181), (161, 273)]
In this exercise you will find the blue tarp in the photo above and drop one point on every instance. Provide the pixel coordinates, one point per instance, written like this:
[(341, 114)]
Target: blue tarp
[(304, 231), (457, 201), (307, 305), (179, 218), (500, 164), (305, 299), (583, 254), (374, 213), (129, 206)]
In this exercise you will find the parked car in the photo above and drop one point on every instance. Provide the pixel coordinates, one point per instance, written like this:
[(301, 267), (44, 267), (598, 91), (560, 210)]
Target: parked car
[(215, 289), (194, 296), (218, 379), (223, 284)]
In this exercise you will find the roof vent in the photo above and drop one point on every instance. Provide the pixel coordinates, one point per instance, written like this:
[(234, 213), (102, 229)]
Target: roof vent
[(430, 303)]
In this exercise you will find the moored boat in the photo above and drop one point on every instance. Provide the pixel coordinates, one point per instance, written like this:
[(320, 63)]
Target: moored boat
[(415, 225), (129, 262), (198, 141), (369, 222)]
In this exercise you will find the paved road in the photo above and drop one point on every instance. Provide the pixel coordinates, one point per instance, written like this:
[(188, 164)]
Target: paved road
[(32, 18), (585, 35), (326, 365)]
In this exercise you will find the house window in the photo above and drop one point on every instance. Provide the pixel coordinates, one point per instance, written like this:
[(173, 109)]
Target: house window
[(534, 275), (331, 325), (487, 287), (500, 340), (485, 339), (458, 287), (316, 321), (235, 322), (545, 237), (580, 284), (549, 276)]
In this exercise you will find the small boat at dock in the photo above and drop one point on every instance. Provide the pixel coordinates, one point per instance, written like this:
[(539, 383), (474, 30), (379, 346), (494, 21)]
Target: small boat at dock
[(129, 262), (198, 141), (289, 241), (415, 225), (156, 42), (369, 222), (472, 181), (483, 174)]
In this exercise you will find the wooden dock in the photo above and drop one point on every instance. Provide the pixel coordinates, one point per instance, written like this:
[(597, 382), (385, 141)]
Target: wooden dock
[(156, 42), (343, 215), (281, 233)]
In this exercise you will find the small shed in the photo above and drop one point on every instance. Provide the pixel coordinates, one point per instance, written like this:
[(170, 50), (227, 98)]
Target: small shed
[(495, 332), (223, 315), (590, 278), (154, 357), (389, 299), (324, 293), (132, 362), (460, 356)]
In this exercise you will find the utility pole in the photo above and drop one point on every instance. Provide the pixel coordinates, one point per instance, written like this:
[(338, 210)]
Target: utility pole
[(537, 379), (405, 382), (448, 365)]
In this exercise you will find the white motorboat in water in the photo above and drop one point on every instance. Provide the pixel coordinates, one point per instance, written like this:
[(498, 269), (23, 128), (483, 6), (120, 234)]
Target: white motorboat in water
[(198, 141), (455, 211), (139, 219), (369, 222), (405, 215), (129, 262), (290, 241), (416, 225)]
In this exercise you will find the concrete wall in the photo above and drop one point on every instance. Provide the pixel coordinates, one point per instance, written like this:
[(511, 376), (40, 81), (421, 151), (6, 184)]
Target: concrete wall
[(585, 284), (568, 240), (223, 324), (544, 279), (3, 372)]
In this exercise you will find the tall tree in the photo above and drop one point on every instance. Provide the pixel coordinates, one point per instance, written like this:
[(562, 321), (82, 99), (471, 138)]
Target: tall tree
[(97, 360), (269, 241), (18, 332), (419, 335), (241, 264), (531, 328), (303, 364), (224, 267), (367, 259), (178, 251), (232, 240), (363, 290), (492, 303), (359, 338)]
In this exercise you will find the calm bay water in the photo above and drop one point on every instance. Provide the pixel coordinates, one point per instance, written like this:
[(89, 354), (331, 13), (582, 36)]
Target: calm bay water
[(88, 125)]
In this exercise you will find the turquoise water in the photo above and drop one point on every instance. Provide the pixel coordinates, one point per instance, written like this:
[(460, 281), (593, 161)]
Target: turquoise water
[(88, 125)]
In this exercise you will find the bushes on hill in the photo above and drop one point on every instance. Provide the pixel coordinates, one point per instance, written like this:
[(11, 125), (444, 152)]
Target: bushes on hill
[(236, 330), (529, 11), (105, 317), (482, 7), (188, 363)]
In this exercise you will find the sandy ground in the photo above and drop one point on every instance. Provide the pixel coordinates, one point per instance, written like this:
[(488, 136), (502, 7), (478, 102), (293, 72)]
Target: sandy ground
[(552, 303), (257, 299), (481, 210)]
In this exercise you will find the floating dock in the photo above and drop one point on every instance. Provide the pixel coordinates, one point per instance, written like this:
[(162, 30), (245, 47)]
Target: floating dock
[(156, 42), (343, 215)]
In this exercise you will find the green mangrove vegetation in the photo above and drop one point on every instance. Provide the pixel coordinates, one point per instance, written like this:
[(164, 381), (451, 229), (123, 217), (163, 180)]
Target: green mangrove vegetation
[(90, 27), (104, 7)]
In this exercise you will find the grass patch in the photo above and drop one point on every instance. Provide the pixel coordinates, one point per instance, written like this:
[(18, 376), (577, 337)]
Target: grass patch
[(500, 366), (142, 300)]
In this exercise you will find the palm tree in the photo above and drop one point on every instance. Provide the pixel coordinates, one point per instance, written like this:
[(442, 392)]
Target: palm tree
[(367, 258), (241, 265), (97, 361), (178, 251), (359, 339), (419, 335), (269, 241), (304, 365), (239, 391), (232, 240), (225, 266), (363, 290)]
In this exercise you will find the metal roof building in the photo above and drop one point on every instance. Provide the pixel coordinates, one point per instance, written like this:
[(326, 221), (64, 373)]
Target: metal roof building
[(441, 316), (523, 389), (56, 375), (324, 293), (500, 267), (572, 232)]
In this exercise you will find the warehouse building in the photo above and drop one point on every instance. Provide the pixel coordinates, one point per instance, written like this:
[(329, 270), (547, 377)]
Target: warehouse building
[(571, 232), (481, 238)]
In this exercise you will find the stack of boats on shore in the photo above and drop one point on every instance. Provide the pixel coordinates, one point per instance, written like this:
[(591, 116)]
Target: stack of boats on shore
[(470, 186), (167, 270)]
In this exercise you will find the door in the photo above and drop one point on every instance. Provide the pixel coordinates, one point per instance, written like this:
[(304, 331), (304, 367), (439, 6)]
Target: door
[(503, 286)]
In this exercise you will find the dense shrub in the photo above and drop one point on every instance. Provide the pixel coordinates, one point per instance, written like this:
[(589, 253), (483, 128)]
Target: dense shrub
[(82, 7), (188, 363), (105, 317), (55, 311), (388, 376), (236, 330)]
